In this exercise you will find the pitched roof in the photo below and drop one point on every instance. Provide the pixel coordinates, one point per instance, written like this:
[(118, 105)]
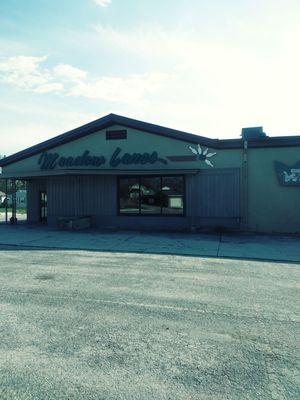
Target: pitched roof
[(113, 119)]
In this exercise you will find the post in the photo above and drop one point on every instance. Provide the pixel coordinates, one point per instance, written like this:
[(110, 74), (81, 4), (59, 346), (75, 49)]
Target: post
[(13, 219), (6, 201)]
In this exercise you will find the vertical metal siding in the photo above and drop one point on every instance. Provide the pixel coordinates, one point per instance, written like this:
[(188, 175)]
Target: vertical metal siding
[(81, 195), (217, 193), (62, 196), (98, 195), (191, 195)]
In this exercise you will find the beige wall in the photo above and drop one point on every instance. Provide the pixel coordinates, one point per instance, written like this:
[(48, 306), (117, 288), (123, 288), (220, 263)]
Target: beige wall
[(271, 207), (137, 141)]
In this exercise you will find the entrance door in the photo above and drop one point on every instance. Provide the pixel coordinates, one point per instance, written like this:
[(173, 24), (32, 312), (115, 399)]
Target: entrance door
[(43, 207)]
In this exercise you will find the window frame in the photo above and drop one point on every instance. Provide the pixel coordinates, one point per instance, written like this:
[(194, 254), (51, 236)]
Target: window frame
[(139, 214)]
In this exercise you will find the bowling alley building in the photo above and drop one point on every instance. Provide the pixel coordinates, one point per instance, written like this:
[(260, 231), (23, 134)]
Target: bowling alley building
[(121, 173)]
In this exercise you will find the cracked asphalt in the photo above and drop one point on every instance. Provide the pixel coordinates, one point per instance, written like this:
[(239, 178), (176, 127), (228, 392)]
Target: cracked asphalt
[(78, 324)]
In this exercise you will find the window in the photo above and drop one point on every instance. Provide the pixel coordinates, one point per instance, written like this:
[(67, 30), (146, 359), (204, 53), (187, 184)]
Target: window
[(172, 195), (43, 206), (129, 195), (151, 195)]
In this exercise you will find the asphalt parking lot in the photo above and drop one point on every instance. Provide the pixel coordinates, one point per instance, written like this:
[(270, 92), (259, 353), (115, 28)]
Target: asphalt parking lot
[(78, 324)]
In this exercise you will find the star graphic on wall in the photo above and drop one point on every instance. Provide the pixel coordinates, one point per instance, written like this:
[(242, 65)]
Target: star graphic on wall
[(203, 155)]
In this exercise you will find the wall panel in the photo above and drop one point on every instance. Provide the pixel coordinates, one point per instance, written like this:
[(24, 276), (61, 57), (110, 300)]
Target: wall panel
[(214, 195), (81, 196)]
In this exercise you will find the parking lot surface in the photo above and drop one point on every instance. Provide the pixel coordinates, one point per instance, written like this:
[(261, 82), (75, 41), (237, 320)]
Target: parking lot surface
[(78, 324)]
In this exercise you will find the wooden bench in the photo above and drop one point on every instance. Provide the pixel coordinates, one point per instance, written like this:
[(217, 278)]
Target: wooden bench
[(73, 223)]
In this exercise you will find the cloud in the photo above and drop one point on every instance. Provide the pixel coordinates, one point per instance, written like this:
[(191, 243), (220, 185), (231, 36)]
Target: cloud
[(119, 89), (102, 3), (67, 72), (21, 64), (49, 87), (188, 49), (28, 73), (23, 72), (149, 42)]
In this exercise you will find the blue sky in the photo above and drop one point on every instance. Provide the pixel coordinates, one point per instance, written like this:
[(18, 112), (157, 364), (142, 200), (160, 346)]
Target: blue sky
[(206, 67)]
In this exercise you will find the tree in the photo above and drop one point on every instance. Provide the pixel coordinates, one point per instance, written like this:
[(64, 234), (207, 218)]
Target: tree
[(20, 184)]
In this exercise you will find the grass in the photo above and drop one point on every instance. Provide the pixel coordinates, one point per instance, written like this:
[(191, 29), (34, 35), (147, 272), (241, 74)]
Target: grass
[(9, 210)]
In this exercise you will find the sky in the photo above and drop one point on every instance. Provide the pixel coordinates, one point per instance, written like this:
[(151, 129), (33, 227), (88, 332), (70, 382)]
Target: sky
[(209, 67)]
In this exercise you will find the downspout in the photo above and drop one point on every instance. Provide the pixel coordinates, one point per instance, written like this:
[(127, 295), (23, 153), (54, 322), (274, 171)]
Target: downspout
[(244, 222)]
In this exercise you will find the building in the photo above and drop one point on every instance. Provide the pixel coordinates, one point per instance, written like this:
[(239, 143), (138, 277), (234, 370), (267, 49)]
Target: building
[(20, 196), (2, 197), (124, 173), (21, 199)]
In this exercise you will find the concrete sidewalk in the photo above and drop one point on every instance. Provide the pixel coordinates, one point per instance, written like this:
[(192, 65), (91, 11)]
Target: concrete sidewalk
[(263, 247), (20, 216)]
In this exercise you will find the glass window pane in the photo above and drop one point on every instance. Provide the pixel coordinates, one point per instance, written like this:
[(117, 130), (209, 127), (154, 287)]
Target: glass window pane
[(129, 195), (150, 195), (172, 195)]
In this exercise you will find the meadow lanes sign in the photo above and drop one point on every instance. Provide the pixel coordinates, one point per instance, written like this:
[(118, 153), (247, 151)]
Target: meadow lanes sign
[(50, 161)]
